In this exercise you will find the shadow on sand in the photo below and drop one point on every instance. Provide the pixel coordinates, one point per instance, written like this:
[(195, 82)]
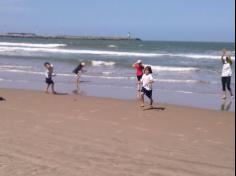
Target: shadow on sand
[(2, 99), (60, 93), (155, 109), (225, 106)]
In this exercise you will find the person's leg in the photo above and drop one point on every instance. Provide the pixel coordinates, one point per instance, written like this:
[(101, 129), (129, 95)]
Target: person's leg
[(149, 95), (229, 85), (139, 89), (78, 81), (223, 79), (53, 90), (142, 93), (47, 87)]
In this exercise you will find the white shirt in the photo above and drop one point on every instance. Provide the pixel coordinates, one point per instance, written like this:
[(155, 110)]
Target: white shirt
[(226, 70), (146, 79)]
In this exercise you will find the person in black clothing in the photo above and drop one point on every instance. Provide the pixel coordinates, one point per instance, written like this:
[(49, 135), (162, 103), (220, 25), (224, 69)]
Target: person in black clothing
[(78, 71)]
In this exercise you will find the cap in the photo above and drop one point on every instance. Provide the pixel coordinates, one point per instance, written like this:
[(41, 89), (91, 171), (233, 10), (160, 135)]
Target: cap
[(139, 61), (82, 63)]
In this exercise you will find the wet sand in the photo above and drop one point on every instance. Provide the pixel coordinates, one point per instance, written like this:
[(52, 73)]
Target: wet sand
[(69, 135)]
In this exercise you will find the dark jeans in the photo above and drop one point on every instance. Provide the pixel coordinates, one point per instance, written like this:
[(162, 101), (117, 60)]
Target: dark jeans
[(226, 82)]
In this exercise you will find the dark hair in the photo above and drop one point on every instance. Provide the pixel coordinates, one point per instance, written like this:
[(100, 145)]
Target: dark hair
[(46, 63), (149, 69)]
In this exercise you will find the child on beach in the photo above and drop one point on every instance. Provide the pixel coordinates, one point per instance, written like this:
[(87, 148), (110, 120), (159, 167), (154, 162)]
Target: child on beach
[(226, 74), (78, 71), (139, 73), (49, 74), (147, 81)]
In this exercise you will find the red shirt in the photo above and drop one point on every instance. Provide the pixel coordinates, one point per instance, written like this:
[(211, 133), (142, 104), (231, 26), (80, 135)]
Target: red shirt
[(139, 69)]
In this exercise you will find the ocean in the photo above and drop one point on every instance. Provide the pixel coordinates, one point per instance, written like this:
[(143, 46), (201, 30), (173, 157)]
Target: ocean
[(186, 73)]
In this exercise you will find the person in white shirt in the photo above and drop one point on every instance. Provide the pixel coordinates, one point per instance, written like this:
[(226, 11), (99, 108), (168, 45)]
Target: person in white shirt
[(49, 74), (226, 74), (147, 81)]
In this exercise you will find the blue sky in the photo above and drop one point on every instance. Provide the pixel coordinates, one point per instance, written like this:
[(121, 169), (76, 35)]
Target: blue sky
[(176, 20)]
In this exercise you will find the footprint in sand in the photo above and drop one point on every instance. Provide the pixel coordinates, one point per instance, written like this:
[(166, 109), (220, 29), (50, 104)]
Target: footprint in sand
[(142, 129)]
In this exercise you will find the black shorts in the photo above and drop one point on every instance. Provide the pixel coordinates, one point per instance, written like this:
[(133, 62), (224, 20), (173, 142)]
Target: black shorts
[(146, 92), (139, 77), (49, 81)]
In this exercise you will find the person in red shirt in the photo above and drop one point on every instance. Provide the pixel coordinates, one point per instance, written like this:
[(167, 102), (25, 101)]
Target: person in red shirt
[(139, 73)]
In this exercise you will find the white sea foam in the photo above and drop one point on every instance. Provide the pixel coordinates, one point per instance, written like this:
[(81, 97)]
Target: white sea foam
[(14, 67), (14, 50), (34, 45), (112, 46), (180, 81), (52, 48), (174, 69), (102, 63), (106, 75), (21, 71), (198, 56)]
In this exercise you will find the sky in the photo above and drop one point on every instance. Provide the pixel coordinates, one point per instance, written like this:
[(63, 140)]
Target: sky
[(170, 20)]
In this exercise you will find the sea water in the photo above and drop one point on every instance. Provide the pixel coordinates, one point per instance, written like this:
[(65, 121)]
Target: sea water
[(186, 73)]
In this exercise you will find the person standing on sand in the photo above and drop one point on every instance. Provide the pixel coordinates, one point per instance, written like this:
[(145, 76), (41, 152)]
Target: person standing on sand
[(139, 73), (78, 71), (49, 74), (226, 74), (147, 81)]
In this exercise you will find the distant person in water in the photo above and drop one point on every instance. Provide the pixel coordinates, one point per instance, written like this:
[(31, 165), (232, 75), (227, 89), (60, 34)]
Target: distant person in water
[(78, 71), (139, 73), (226, 74), (147, 81), (49, 74)]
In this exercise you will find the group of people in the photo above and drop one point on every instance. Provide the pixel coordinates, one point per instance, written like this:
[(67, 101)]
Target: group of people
[(145, 78), (49, 74)]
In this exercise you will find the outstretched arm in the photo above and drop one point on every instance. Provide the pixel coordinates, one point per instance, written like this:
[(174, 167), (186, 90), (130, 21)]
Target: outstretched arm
[(223, 55), (134, 65)]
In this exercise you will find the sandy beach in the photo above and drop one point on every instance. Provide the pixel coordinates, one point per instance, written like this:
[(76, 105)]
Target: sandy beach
[(68, 135)]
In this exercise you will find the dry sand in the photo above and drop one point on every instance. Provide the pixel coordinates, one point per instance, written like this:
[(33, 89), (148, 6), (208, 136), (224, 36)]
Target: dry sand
[(65, 135)]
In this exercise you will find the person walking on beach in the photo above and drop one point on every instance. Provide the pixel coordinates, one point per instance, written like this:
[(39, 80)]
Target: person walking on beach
[(49, 74), (139, 73), (226, 74), (78, 71), (147, 81)]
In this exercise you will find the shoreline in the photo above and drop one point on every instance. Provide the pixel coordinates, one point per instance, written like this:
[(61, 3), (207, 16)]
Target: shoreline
[(190, 100), (75, 95), (58, 135)]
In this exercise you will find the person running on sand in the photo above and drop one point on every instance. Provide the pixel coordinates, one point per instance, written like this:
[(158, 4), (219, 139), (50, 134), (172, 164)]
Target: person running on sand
[(226, 74), (139, 73), (147, 81), (78, 71), (49, 74)]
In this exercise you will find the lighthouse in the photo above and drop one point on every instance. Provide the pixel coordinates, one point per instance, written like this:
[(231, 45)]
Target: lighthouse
[(129, 35)]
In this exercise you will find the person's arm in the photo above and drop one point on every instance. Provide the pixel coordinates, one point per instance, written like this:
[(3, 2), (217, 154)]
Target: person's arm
[(135, 65), (222, 58), (229, 60), (151, 80)]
